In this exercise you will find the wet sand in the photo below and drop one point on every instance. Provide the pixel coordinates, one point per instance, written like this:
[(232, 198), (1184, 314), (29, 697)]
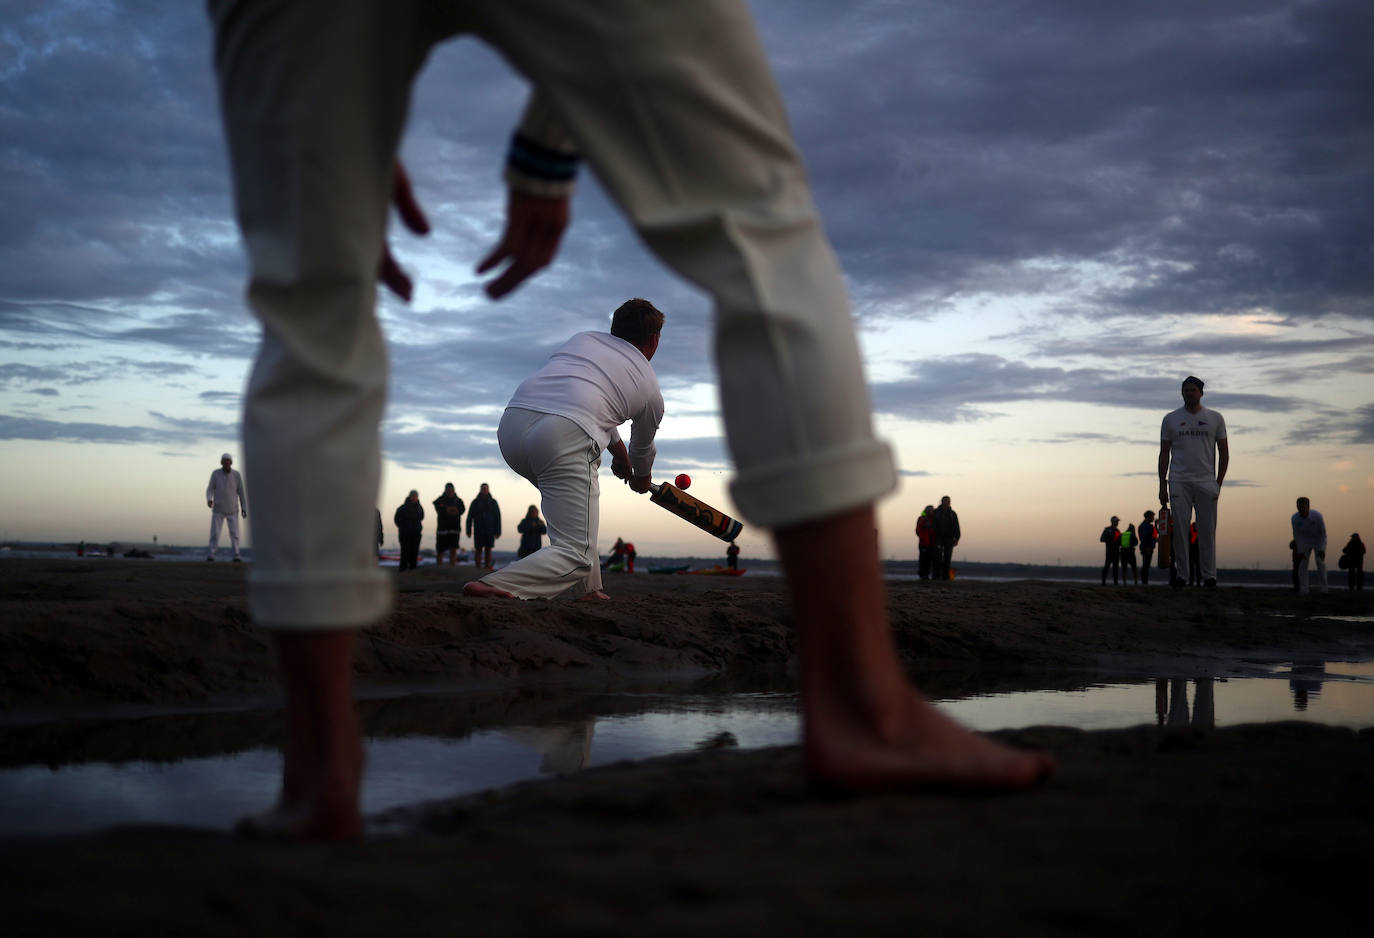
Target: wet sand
[(1259, 828)]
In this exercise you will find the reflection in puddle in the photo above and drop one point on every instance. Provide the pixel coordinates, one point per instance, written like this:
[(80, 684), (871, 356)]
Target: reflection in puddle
[(214, 791)]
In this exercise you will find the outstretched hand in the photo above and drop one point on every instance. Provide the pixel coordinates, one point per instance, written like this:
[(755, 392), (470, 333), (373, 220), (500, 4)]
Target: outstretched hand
[(534, 227), (403, 197)]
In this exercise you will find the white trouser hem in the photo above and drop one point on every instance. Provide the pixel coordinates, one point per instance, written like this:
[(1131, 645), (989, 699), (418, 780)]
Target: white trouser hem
[(347, 600), (782, 494)]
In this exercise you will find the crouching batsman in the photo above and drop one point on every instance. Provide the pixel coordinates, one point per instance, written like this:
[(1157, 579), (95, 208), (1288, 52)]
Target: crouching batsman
[(685, 130)]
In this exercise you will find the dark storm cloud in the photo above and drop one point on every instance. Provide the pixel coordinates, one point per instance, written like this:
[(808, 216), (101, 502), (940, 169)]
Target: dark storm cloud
[(1353, 428), (1216, 153), (1117, 344), (86, 372), (960, 387), (53, 431), (1208, 157), (45, 392)]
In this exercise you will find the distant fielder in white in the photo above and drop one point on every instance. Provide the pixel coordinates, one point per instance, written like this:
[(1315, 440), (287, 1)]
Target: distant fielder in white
[(227, 499), (1193, 458)]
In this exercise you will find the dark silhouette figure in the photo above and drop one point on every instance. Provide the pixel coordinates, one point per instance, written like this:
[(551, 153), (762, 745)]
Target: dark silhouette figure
[(1111, 542), (532, 530), (1149, 537), (1128, 538), (409, 518), (947, 534), (1352, 559)]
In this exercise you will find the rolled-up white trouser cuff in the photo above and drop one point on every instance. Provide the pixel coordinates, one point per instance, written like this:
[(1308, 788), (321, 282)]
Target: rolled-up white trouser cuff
[(348, 600), (782, 494)]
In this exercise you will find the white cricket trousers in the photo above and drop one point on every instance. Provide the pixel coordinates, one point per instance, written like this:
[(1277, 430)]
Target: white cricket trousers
[(673, 105), (557, 457), (1309, 550), (1190, 501), (217, 520)]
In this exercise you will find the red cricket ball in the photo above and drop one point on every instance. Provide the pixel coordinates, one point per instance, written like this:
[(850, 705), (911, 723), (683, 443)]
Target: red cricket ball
[(683, 480)]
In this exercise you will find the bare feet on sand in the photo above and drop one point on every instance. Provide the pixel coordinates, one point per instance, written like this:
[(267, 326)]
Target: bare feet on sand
[(593, 595), (865, 727), (910, 746), (478, 588)]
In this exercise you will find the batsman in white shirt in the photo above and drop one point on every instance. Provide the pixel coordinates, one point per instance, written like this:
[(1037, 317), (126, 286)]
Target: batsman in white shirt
[(553, 432)]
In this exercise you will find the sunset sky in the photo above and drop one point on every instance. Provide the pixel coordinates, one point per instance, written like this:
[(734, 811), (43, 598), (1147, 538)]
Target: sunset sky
[(1049, 213)]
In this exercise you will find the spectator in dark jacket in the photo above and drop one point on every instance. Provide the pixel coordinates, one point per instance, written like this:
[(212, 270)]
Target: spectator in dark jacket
[(925, 541), (484, 526), (1352, 558), (1148, 536), (532, 530), (947, 534), (408, 520), (1111, 540), (448, 513)]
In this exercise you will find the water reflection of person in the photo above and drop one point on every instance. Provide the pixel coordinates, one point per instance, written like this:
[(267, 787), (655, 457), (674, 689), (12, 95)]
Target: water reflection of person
[(566, 747), (1173, 701), (1306, 682)]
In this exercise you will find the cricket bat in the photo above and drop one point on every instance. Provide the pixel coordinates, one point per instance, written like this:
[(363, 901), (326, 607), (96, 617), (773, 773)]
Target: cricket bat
[(695, 510)]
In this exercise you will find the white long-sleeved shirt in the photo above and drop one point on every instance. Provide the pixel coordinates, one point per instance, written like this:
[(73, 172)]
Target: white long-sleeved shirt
[(226, 492), (599, 381), (1310, 531)]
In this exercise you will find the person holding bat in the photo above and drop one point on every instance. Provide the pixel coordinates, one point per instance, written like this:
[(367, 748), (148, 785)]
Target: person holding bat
[(675, 108), (553, 432)]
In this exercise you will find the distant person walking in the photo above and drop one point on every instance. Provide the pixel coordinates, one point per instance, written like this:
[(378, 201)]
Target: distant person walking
[(1128, 554), (227, 499), (484, 526), (1352, 558), (448, 524), (947, 534), (532, 530), (1111, 543), (1309, 537), (732, 556), (1193, 458), (1148, 537), (925, 542), (409, 520)]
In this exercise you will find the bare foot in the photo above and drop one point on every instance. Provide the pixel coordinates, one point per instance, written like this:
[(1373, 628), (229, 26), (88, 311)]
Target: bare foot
[(917, 748), (593, 595), (303, 821), (478, 588)]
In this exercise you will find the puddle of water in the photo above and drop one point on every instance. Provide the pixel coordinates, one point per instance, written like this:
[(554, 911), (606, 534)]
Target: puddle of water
[(214, 791)]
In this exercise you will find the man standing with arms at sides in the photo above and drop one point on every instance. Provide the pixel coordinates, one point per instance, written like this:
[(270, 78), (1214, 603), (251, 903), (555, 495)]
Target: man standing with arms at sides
[(675, 108), (1111, 539), (947, 534), (448, 524), (484, 526), (553, 432), (1193, 457), (227, 499), (925, 541), (1148, 537), (1309, 537)]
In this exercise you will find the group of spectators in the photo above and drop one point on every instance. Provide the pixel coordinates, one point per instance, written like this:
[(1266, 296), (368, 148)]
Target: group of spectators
[(483, 526), (937, 534), (1120, 547)]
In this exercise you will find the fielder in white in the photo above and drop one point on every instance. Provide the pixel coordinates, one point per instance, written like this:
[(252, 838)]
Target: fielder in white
[(1309, 538), (1193, 457), (553, 432), (227, 499)]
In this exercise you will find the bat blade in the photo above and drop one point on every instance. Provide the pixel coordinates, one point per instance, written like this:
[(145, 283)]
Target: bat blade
[(692, 509)]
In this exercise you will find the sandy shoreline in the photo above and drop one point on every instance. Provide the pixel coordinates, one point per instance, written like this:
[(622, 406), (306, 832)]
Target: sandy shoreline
[(1138, 825)]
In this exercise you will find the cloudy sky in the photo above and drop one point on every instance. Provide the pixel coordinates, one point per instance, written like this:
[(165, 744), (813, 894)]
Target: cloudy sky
[(1049, 214)]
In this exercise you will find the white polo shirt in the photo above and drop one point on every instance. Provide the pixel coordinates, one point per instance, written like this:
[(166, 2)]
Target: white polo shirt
[(1193, 453), (599, 381)]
